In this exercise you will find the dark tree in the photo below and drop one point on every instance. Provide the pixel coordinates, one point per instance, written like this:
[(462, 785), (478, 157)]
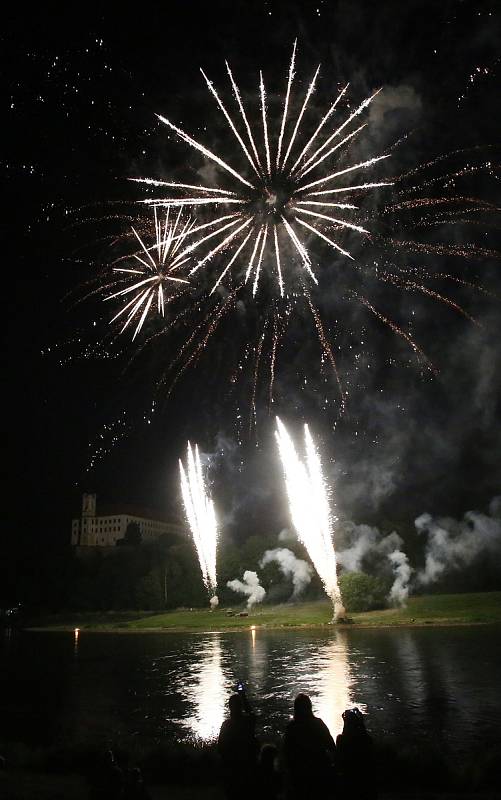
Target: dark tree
[(133, 536)]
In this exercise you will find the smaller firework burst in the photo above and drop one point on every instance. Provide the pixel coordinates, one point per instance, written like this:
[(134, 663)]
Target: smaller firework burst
[(201, 518), (151, 268)]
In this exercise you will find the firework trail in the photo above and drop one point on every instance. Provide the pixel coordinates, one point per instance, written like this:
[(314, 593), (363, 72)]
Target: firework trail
[(271, 197), (309, 509), (150, 270), (201, 518)]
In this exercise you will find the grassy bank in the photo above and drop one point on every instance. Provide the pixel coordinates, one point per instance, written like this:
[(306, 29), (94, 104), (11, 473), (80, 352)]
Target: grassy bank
[(444, 609)]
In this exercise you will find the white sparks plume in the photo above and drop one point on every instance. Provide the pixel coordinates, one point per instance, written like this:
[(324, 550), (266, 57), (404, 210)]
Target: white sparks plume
[(201, 516), (309, 509)]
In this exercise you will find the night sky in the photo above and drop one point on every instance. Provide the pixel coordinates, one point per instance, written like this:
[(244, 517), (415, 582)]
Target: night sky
[(79, 119)]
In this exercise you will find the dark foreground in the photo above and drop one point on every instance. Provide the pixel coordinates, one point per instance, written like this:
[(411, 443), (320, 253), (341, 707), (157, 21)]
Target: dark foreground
[(187, 771), (18, 785)]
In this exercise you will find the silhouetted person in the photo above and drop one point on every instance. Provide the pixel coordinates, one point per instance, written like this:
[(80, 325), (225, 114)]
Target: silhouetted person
[(269, 780), (135, 788), (309, 753), (237, 746), (355, 761), (108, 779)]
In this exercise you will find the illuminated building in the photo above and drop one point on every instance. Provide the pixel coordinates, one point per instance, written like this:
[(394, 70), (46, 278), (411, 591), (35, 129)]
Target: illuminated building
[(104, 530)]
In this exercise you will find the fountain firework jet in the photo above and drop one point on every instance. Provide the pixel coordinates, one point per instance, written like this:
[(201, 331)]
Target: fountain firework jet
[(309, 508), (201, 518)]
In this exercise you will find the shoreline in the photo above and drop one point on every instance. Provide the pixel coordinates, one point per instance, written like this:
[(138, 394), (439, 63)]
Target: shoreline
[(243, 629), (424, 611)]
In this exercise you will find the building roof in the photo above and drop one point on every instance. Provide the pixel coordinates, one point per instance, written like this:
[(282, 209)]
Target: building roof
[(110, 510)]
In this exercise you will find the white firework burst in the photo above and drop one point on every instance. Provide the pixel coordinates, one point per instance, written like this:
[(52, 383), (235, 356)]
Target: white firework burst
[(281, 200), (152, 267)]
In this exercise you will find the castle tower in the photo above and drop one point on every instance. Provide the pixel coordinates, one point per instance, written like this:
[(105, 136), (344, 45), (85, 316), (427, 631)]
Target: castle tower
[(88, 505)]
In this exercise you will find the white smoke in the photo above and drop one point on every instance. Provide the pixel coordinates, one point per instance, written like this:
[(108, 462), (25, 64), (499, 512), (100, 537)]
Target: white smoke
[(250, 587), (362, 540), (286, 535), (365, 541), (495, 507), (402, 570), (214, 602), (452, 544), (394, 98), (290, 566)]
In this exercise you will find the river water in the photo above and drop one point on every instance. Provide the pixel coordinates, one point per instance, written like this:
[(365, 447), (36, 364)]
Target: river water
[(438, 684)]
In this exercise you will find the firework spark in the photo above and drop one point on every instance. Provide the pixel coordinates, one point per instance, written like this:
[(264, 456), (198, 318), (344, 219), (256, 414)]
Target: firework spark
[(201, 518), (309, 509), (270, 203), (151, 268)]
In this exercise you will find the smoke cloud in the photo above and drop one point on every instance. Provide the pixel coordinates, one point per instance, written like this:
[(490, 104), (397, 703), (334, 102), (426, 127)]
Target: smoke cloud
[(367, 543), (402, 571), (291, 567), (287, 535), (250, 587), (453, 544)]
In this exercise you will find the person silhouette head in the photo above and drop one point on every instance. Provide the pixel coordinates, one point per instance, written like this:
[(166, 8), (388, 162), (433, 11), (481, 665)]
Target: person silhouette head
[(302, 707), (353, 722), (235, 705), (268, 756)]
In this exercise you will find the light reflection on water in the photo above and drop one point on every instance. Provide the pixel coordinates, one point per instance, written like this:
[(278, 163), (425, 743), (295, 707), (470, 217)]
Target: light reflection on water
[(333, 683), (206, 689), (323, 672), (440, 685)]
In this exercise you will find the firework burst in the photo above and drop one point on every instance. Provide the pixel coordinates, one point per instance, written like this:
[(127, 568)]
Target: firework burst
[(277, 201), (288, 209), (149, 271)]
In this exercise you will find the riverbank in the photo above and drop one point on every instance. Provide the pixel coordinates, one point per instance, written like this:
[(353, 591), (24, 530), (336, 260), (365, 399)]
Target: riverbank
[(440, 609)]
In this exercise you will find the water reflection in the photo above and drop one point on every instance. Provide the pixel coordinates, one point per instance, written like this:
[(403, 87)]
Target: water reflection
[(76, 635), (205, 687), (7, 632), (430, 685), (332, 688)]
